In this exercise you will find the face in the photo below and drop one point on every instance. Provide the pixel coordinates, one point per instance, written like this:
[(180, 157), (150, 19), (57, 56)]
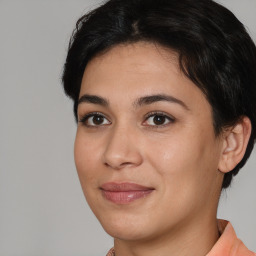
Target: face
[(145, 149)]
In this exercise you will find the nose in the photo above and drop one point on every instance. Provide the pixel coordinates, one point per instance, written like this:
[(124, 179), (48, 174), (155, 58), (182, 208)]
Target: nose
[(122, 149)]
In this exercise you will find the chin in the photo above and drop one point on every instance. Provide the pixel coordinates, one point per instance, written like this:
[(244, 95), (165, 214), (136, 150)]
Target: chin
[(125, 228), (126, 233)]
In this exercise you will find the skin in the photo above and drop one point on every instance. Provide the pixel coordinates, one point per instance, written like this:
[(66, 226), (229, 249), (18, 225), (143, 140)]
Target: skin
[(182, 159)]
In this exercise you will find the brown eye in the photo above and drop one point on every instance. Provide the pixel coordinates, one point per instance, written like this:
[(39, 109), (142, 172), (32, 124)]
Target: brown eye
[(94, 119), (158, 119), (97, 120)]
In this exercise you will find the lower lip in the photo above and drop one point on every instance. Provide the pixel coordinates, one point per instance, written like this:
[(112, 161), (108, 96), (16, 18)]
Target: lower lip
[(125, 197)]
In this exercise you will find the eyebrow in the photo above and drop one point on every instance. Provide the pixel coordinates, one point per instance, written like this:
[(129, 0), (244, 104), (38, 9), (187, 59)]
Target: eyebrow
[(145, 100), (94, 100)]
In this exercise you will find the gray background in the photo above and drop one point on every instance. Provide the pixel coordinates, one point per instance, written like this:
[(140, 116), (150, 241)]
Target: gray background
[(42, 208)]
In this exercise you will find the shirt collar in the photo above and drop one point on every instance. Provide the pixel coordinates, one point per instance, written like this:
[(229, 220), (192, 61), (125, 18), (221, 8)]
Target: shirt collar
[(228, 243)]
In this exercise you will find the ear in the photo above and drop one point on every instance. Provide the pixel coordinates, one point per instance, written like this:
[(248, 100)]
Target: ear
[(235, 141)]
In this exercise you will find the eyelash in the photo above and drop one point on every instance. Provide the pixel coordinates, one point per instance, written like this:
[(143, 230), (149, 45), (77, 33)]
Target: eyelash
[(161, 114), (85, 118)]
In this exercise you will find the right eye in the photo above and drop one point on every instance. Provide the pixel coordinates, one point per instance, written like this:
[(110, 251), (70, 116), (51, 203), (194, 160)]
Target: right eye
[(94, 119)]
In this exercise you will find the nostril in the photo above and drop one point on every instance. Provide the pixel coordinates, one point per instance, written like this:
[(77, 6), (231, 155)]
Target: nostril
[(118, 165)]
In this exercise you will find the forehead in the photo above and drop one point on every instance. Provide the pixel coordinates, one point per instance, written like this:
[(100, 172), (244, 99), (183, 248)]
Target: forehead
[(129, 71), (131, 61)]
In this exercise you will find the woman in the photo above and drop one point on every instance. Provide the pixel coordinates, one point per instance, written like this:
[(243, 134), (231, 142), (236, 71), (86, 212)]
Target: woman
[(165, 96)]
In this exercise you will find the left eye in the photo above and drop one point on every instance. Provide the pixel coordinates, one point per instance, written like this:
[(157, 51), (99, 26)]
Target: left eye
[(158, 120), (94, 119)]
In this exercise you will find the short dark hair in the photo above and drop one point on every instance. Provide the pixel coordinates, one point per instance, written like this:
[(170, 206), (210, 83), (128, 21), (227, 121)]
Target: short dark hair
[(214, 49)]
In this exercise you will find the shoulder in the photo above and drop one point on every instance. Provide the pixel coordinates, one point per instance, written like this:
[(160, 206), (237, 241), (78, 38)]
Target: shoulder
[(239, 249), (228, 243)]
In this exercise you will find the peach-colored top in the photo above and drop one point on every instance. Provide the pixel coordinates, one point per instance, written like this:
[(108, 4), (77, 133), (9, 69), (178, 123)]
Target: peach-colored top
[(227, 245)]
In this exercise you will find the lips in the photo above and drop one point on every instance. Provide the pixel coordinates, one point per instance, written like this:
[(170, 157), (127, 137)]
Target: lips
[(124, 193)]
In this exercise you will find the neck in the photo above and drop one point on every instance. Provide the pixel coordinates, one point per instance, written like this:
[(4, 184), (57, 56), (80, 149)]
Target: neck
[(189, 239)]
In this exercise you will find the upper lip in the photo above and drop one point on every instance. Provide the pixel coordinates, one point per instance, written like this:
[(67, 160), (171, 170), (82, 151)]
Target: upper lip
[(124, 186)]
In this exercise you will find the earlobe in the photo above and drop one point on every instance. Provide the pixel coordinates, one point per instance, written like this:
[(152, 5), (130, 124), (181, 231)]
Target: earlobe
[(235, 141)]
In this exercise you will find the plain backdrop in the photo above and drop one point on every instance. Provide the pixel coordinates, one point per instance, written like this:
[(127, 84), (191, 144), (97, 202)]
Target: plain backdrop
[(42, 207)]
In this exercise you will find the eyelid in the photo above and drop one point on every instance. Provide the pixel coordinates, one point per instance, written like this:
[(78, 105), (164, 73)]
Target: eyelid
[(85, 117), (160, 113)]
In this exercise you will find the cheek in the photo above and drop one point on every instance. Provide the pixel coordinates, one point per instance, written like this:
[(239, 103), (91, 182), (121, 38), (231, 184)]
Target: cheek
[(186, 163), (87, 155), (174, 154)]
